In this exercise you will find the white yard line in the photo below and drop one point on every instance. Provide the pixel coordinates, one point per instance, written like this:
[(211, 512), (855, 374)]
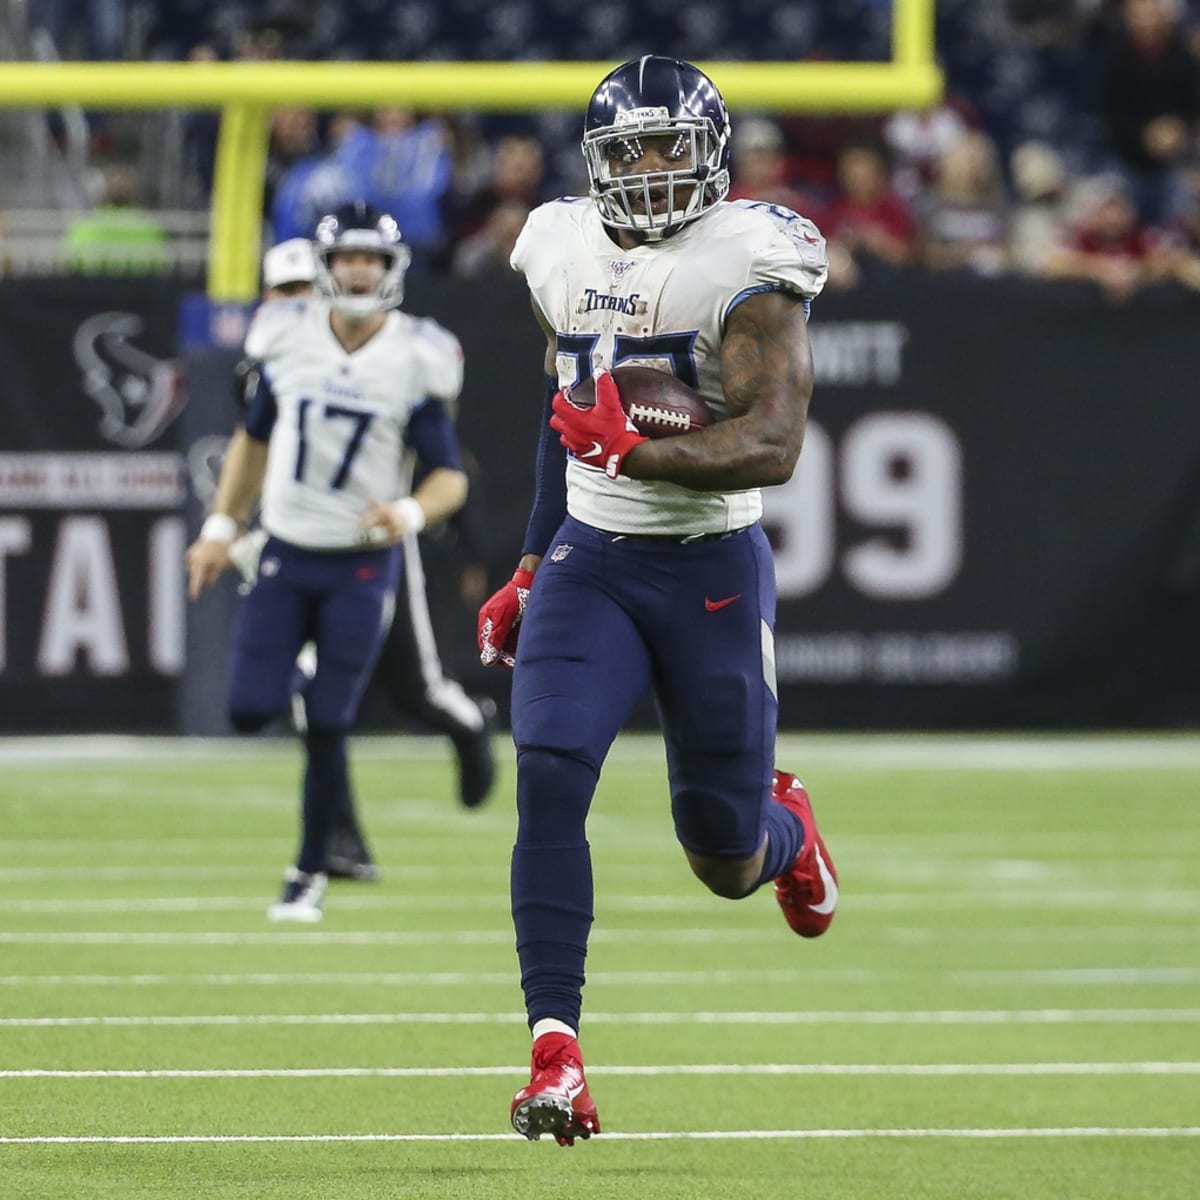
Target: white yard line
[(156, 752), (1077, 976), (769, 933), (993, 894), (935, 751), (178, 872), (452, 937), (714, 1135), (1044, 935), (987, 898), (751, 1069), (1016, 1016), (1068, 977), (1102, 846)]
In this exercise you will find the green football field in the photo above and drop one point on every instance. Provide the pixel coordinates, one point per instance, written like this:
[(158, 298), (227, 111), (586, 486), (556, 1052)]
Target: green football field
[(1006, 1008)]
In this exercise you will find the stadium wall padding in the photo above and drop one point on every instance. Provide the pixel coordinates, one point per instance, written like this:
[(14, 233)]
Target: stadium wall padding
[(996, 520)]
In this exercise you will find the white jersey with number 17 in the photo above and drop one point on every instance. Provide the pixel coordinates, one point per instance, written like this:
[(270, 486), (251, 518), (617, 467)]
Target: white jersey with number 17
[(336, 440)]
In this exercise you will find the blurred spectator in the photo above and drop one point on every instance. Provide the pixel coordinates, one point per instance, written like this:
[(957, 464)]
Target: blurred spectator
[(407, 174), (517, 176), (963, 216), (201, 128), (1107, 244), (470, 162), (294, 139), (917, 142), (1185, 235), (117, 237), (1038, 223), (870, 230), (269, 35), (278, 29), (319, 183), (760, 165), (1047, 21), (815, 145), (90, 29), (490, 247), (1150, 102)]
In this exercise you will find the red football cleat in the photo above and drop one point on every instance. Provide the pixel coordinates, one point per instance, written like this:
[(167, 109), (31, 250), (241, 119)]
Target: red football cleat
[(556, 1101), (808, 893)]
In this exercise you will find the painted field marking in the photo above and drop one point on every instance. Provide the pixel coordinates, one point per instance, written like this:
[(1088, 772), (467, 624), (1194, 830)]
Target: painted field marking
[(1183, 900), (748, 1069), (1035, 1016), (1181, 1131), (1067, 977), (938, 751)]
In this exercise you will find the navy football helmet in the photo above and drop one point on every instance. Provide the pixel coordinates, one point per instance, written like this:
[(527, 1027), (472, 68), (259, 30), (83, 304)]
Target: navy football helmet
[(656, 97), (361, 226)]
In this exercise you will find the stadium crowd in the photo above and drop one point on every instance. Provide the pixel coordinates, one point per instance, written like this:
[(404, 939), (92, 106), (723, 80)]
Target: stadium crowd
[(1066, 145)]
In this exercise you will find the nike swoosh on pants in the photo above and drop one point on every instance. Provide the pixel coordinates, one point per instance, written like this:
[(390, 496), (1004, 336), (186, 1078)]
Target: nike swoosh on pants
[(714, 605)]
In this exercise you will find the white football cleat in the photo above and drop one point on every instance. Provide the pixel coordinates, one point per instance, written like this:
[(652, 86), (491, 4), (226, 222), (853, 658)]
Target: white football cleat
[(301, 897)]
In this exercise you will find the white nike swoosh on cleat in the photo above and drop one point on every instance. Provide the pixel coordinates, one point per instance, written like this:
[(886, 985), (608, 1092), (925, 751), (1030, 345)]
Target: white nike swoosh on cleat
[(831, 888)]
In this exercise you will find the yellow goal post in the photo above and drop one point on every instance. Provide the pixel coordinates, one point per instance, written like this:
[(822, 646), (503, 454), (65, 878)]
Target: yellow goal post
[(246, 94)]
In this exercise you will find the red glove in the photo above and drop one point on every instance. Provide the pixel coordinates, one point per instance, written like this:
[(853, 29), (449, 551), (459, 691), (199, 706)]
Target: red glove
[(500, 619), (601, 435)]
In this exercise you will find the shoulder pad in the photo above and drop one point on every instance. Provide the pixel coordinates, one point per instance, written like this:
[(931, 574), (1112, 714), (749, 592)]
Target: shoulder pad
[(271, 324), (441, 356), (788, 246), (544, 223)]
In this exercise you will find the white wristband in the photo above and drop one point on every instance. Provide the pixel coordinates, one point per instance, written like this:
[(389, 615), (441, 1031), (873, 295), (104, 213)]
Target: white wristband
[(219, 528), (411, 513)]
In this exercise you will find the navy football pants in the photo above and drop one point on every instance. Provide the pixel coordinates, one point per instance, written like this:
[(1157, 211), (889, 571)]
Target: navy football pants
[(342, 601), (616, 616), (609, 618)]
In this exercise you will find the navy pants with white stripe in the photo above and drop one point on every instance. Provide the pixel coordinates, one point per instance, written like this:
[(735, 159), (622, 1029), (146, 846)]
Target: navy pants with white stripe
[(410, 667), (609, 619)]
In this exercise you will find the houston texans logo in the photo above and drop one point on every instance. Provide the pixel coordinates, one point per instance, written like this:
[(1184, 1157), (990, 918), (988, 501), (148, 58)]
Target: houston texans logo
[(138, 394)]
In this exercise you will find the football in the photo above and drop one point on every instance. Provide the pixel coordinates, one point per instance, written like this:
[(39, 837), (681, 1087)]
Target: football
[(658, 404)]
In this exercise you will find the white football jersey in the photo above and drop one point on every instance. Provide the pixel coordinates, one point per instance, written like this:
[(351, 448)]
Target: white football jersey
[(662, 305), (337, 441)]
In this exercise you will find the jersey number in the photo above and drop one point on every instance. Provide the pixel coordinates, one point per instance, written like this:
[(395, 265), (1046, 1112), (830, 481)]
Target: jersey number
[(359, 421), (675, 351)]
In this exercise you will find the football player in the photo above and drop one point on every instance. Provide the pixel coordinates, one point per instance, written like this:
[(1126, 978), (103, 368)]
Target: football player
[(644, 563), (345, 387), (409, 667)]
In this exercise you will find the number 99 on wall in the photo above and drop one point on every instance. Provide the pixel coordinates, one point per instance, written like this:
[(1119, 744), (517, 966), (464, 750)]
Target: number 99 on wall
[(899, 476)]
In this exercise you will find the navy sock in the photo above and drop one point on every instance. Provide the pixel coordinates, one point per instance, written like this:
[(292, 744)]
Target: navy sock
[(326, 792), (552, 882), (785, 837)]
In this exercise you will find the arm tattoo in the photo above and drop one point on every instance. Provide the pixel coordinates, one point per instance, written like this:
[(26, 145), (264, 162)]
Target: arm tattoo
[(767, 376)]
